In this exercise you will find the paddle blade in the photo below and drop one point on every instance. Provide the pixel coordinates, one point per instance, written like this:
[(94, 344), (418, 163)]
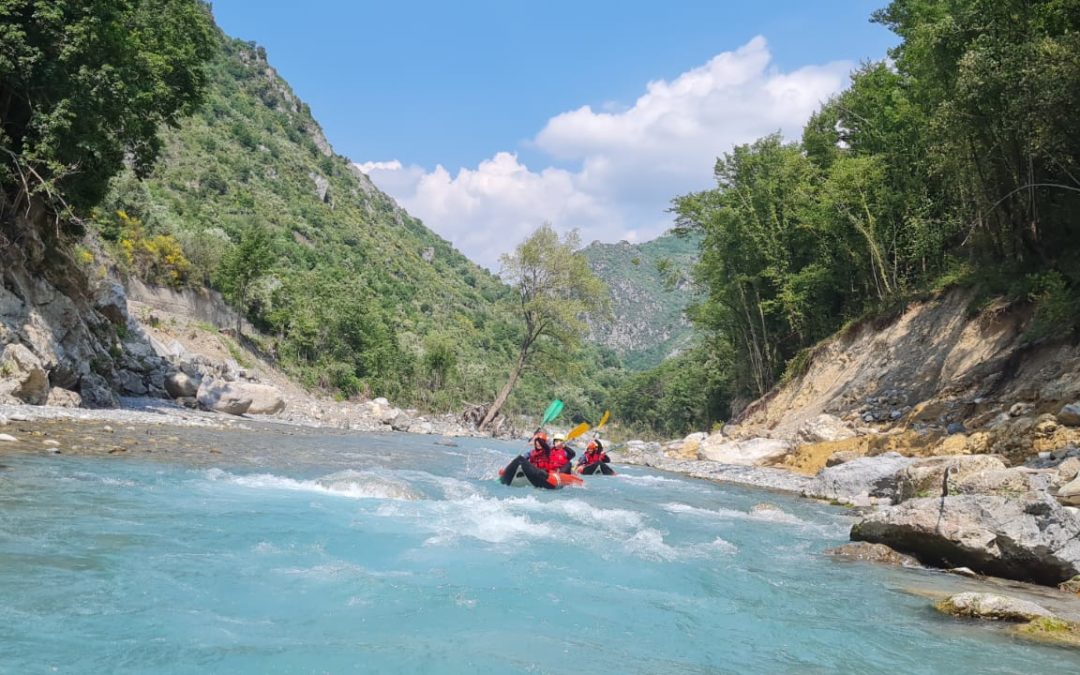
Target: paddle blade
[(603, 420), (577, 431), (552, 412)]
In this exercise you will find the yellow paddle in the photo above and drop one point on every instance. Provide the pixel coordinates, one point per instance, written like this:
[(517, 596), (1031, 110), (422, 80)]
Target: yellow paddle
[(603, 420), (576, 431)]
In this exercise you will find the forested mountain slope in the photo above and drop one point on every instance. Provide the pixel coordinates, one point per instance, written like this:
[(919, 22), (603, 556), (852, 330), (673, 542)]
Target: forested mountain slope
[(358, 295), (650, 290)]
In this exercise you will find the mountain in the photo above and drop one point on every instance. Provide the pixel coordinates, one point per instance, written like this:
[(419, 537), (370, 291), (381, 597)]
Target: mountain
[(650, 290), (357, 295)]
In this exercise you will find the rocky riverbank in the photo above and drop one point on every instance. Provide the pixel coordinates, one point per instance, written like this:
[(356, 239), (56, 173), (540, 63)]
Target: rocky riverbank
[(971, 514)]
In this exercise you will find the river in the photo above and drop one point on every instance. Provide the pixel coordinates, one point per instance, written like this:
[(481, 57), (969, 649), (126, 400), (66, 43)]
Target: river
[(312, 551)]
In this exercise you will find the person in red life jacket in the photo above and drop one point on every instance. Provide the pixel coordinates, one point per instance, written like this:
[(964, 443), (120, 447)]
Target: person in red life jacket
[(540, 456), (561, 455), (594, 453)]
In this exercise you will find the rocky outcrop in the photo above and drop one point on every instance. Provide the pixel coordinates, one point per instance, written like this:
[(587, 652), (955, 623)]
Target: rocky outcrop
[(22, 377), (936, 476), (990, 606), (751, 452), (1030, 538), (862, 481)]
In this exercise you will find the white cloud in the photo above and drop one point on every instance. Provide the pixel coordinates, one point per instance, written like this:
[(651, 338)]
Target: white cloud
[(628, 162)]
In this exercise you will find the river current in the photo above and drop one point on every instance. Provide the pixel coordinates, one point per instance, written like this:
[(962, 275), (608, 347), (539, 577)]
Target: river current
[(312, 552)]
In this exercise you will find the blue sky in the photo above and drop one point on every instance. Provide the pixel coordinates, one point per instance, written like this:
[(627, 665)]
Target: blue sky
[(487, 118)]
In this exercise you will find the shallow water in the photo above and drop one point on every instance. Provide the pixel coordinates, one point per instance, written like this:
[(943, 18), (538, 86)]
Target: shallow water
[(321, 552)]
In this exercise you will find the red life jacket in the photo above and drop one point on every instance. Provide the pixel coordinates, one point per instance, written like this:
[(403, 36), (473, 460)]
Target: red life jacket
[(540, 459), (558, 459)]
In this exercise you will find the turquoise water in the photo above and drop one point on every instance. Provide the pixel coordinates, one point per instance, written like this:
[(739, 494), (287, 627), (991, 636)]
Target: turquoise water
[(357, 553)]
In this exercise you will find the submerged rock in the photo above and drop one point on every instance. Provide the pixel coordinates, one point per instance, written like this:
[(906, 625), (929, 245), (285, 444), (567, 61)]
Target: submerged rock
[(1031, 539), (880, 553)]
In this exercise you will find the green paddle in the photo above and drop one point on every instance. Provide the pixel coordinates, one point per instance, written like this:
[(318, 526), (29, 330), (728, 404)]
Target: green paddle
[(551, 413)]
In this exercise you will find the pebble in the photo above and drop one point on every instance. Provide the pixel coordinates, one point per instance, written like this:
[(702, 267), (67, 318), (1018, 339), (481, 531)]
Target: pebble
[(19, 417), (51, 443), (55, 451), (7, 437), (107, 428)]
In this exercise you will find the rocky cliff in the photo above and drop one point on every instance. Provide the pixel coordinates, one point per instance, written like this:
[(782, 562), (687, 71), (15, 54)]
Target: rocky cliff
[(651, 288)]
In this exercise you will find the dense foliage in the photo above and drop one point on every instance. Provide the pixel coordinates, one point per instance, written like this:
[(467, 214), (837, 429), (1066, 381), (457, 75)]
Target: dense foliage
[(955, 163), (85, 86)]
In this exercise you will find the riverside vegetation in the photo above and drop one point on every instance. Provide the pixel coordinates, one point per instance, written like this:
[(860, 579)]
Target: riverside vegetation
[(951, 165)]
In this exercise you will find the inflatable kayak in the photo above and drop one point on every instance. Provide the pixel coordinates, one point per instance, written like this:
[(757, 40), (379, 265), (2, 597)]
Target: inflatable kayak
[(596, 469), (519, 472)]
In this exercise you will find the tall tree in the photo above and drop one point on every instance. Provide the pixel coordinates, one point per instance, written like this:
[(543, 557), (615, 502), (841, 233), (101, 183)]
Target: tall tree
[(243, 265), (85, 86), (555, 289)]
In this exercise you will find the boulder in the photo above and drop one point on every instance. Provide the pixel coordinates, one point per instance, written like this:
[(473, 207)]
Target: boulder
[(1069, 493), (686, 448), (860, 481), (265, 399), (1031, 539), (222, 396), (823, 428), (22, 376), (861, 550), (752, 452), (993, 607), (1069, 415), (111, 301), (63, 398), (131, 383), (926, 477), (1002, 482), (1067, 471), (841, 457), (96, 392)]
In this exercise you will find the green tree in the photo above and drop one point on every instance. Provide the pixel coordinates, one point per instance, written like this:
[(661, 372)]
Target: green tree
[(244, 264), (85, 84), (555, 289)]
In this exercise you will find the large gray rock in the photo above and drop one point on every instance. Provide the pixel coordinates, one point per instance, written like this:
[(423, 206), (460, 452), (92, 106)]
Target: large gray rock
[(1070, 415), (824, 428), (221, 396), (179, 384), (861, 481), (96, 392), (22, 376), (1002, 482), (131, 383), (990, 606), (752, 452), (926, 477), (1032, 539), (111, 301), (265, 399)]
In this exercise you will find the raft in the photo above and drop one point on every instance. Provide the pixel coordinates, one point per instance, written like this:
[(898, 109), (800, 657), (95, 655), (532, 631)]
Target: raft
[(596, 468), (519, 473)]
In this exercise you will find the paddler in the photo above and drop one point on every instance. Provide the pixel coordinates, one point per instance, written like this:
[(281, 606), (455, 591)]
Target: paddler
[(594, 453)]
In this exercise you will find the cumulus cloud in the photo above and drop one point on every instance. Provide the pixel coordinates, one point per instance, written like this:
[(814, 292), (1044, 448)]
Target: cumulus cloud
[(627, 162)]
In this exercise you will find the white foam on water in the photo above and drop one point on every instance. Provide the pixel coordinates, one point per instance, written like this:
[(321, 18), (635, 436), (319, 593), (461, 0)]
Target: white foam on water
[(349, 483), (481, 518), (652, 480)]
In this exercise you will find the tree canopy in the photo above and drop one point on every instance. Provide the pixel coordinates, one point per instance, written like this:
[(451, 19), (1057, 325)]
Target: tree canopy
[(85, 86)]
